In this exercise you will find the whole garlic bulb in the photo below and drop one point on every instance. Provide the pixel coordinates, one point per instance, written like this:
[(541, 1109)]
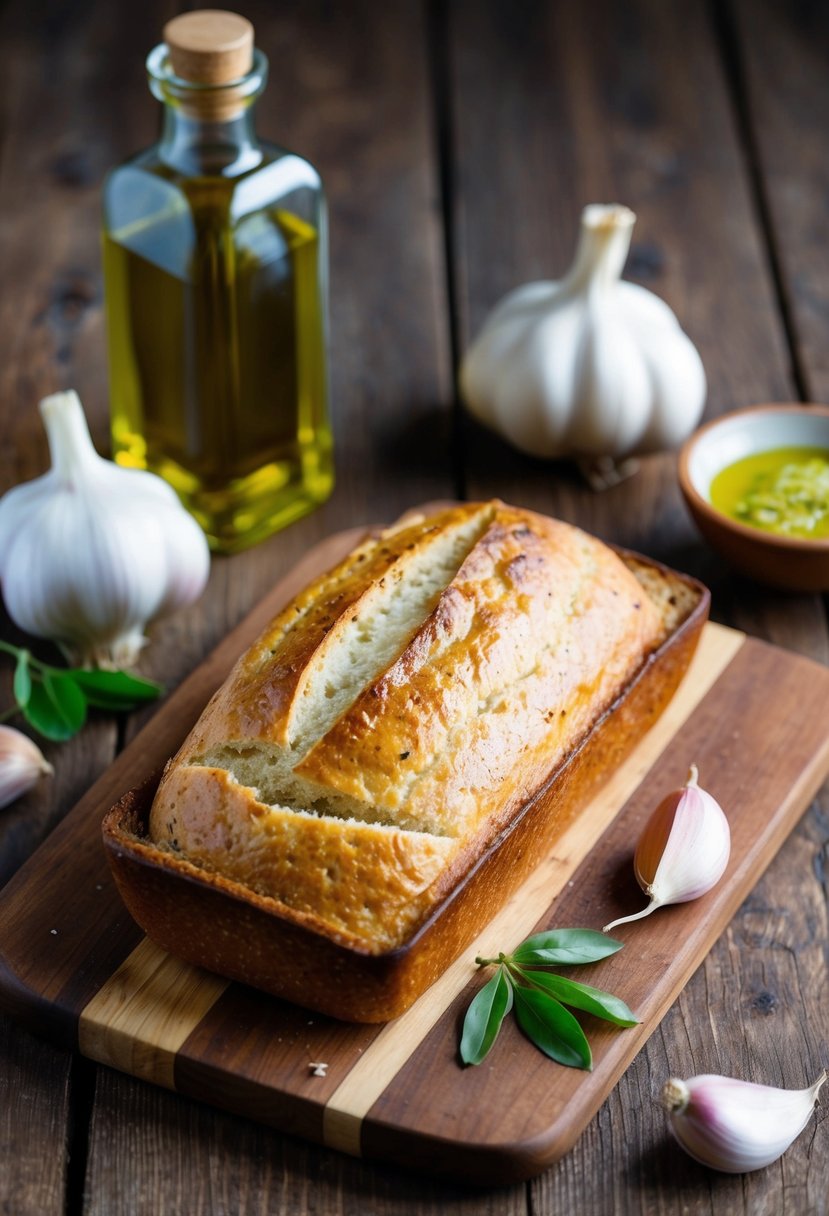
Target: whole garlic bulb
[(91, 552), (590, 366)]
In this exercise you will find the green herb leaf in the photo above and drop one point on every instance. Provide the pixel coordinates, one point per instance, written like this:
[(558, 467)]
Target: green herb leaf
[(565, 947), (48, 718), (54, 700), (484, 1017), (548, 1025), (114, 689), (67, 699), (22, 680), (582, 996)]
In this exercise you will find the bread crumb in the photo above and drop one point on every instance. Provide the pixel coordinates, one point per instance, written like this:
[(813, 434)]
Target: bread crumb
[(318, 1070)]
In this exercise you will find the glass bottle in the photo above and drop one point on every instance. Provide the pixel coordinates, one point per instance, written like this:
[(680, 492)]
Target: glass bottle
[(215, 269)]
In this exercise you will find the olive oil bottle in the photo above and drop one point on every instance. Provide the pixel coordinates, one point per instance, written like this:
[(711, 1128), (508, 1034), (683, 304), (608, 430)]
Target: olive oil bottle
[(215, 273)]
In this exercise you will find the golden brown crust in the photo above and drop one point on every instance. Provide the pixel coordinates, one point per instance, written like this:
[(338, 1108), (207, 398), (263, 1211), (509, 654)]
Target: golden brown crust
[(257, 700), (359, 879), (537, 630)]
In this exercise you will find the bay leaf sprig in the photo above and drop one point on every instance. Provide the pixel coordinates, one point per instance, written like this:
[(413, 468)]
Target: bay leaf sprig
[(55, 700), (522, 983)]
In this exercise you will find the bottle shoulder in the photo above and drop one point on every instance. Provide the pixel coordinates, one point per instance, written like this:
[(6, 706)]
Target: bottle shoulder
[(275, 153), (280, 177), (263, 159)]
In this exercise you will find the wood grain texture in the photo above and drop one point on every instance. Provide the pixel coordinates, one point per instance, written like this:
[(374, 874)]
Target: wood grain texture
[(142, 1015), (152, 1137), (34, 1114), (781, 50)]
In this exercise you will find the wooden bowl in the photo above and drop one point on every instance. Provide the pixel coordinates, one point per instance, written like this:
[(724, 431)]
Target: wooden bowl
[(789, 562)]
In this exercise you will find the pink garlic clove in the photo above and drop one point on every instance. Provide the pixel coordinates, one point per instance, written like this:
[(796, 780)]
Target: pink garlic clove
[(22, 764), (683, 851), (736, 1126)]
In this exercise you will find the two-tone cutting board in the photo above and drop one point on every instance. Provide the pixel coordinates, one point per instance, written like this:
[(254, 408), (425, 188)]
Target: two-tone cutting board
[(74, 966)]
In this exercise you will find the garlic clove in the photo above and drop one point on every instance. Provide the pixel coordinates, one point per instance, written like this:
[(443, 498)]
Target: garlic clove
[(683, 851), (736, 1126), (22, 764), (90, 553)]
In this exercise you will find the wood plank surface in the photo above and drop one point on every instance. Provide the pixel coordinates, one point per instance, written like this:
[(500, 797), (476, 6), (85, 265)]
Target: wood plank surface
[(548, 106), (34, 1118), (780, 51)]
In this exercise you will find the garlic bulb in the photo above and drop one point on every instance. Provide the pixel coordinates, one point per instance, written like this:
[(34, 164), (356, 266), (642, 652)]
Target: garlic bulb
[(590, 366), (683, 851), (22, 764), (90, 552), (736, 1126)]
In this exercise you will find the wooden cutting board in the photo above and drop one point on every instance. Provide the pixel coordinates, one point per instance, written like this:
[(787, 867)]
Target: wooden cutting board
[(75, 967)]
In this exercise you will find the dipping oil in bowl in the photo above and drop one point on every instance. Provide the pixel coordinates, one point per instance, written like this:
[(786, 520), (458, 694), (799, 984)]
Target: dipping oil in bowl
[(215, 270), (784, 491)]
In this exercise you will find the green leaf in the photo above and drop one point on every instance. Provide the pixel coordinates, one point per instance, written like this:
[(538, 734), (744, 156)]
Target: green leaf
[(484, 1017), (67, 699), (22, 679), (55, 719), (566, 947), (582, 996), (548, 1025), (114, 689)]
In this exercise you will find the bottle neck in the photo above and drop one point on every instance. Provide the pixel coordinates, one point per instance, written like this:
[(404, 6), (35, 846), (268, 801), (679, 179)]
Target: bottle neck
[(198, 147), (207, 130)]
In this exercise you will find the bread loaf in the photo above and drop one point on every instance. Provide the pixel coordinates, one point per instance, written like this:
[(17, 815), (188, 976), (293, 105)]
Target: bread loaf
[(389, 722)]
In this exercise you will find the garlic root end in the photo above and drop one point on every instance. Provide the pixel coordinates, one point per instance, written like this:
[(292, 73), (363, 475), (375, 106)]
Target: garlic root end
[(624, 920), (675, 1096), (604, 472), (117, 654)]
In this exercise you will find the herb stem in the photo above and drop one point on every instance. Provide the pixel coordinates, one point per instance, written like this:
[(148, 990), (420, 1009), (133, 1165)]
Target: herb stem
[(38, 664)]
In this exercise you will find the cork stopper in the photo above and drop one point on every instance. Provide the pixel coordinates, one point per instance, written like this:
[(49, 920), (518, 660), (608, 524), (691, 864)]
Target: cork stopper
[(210, 47)]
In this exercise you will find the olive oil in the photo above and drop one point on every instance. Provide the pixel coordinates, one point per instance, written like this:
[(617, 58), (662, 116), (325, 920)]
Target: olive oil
[(214, 263), (785, 491)]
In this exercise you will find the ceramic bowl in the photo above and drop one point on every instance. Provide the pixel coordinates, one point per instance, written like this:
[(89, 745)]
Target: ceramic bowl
[(779, 561)]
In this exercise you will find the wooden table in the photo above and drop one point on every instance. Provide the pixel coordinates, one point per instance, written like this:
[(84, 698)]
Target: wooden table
[(458, 143)]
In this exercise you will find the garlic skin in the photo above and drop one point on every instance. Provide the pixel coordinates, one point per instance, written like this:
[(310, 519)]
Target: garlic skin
[(590, 366), (683, 851), (736, 1126), (91, 552), (22, 764)]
